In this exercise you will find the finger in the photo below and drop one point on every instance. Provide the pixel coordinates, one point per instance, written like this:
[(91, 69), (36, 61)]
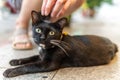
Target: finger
[(49, 6), (58, 6), (64, 10), (43, 7)]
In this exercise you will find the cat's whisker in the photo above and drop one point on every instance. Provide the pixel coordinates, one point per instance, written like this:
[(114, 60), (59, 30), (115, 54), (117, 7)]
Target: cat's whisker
[(63, 43), (57, 44), (57, 41)]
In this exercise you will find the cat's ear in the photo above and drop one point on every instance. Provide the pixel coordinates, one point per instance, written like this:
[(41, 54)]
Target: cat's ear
[(62, 22), (35, 17)]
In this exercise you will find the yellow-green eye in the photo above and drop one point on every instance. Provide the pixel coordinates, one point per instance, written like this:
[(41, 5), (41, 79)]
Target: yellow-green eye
[(38, 30), (51, 33)]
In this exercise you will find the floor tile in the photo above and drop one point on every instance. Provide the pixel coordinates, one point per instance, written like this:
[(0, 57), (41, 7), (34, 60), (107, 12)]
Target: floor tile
[(105, 72)]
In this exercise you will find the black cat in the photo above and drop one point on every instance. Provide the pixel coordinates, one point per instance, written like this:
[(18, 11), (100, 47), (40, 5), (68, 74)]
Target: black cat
[(58, 50)]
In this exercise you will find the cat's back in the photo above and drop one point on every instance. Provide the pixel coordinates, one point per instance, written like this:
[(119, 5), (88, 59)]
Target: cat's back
[(91, 42), (92, 39)]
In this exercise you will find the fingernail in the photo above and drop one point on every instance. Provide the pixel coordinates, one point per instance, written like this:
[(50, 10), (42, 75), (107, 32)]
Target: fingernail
[(42, 13), (46, 13)]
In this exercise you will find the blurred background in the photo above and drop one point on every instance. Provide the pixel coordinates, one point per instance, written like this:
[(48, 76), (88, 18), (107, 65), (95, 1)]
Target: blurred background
[(98, 17)]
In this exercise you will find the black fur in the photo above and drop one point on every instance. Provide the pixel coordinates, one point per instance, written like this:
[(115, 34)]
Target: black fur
[(60, 50)]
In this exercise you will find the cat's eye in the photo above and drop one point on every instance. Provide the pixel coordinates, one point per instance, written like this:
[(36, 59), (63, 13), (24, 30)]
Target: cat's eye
[(38, 30), (51, 33)]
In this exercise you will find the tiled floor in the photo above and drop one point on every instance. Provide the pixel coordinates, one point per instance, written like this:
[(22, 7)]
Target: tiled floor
[(101, 25)]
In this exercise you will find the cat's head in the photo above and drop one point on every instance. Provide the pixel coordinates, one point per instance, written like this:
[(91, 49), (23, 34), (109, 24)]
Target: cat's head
[(44, 31)]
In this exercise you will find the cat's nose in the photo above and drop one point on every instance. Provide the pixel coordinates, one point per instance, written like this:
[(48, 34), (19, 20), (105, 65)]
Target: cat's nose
[(42, 37)]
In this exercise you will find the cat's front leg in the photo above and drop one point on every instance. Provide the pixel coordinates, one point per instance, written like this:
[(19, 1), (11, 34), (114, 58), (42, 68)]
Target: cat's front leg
[(30, 68), (16, 62)]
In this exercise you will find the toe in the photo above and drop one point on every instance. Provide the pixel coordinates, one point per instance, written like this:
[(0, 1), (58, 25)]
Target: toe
[(11, 73), (22, 42), (15, 62), (7, 72)]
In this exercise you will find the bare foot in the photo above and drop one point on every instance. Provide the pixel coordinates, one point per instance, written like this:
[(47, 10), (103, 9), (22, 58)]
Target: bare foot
[(21, 40)]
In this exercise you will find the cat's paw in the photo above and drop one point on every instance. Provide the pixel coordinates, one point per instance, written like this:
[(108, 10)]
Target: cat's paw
[(15, 62), (10, 73)]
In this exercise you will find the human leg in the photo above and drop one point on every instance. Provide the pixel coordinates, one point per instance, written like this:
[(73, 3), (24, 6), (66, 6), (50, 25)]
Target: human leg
[(21, 39)]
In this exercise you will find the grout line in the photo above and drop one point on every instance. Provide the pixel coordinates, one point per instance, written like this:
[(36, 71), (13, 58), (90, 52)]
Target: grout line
[(54, 74)]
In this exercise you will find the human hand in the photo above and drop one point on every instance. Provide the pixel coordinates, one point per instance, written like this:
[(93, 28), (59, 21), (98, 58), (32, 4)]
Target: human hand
[(59, 8)]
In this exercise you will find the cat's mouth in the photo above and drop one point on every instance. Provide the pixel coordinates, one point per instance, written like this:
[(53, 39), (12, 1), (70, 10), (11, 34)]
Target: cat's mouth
[(42, 45), (46, 46)]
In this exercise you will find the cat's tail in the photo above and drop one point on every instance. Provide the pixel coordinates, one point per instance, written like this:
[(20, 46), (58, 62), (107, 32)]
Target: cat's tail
[(116, 48)]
